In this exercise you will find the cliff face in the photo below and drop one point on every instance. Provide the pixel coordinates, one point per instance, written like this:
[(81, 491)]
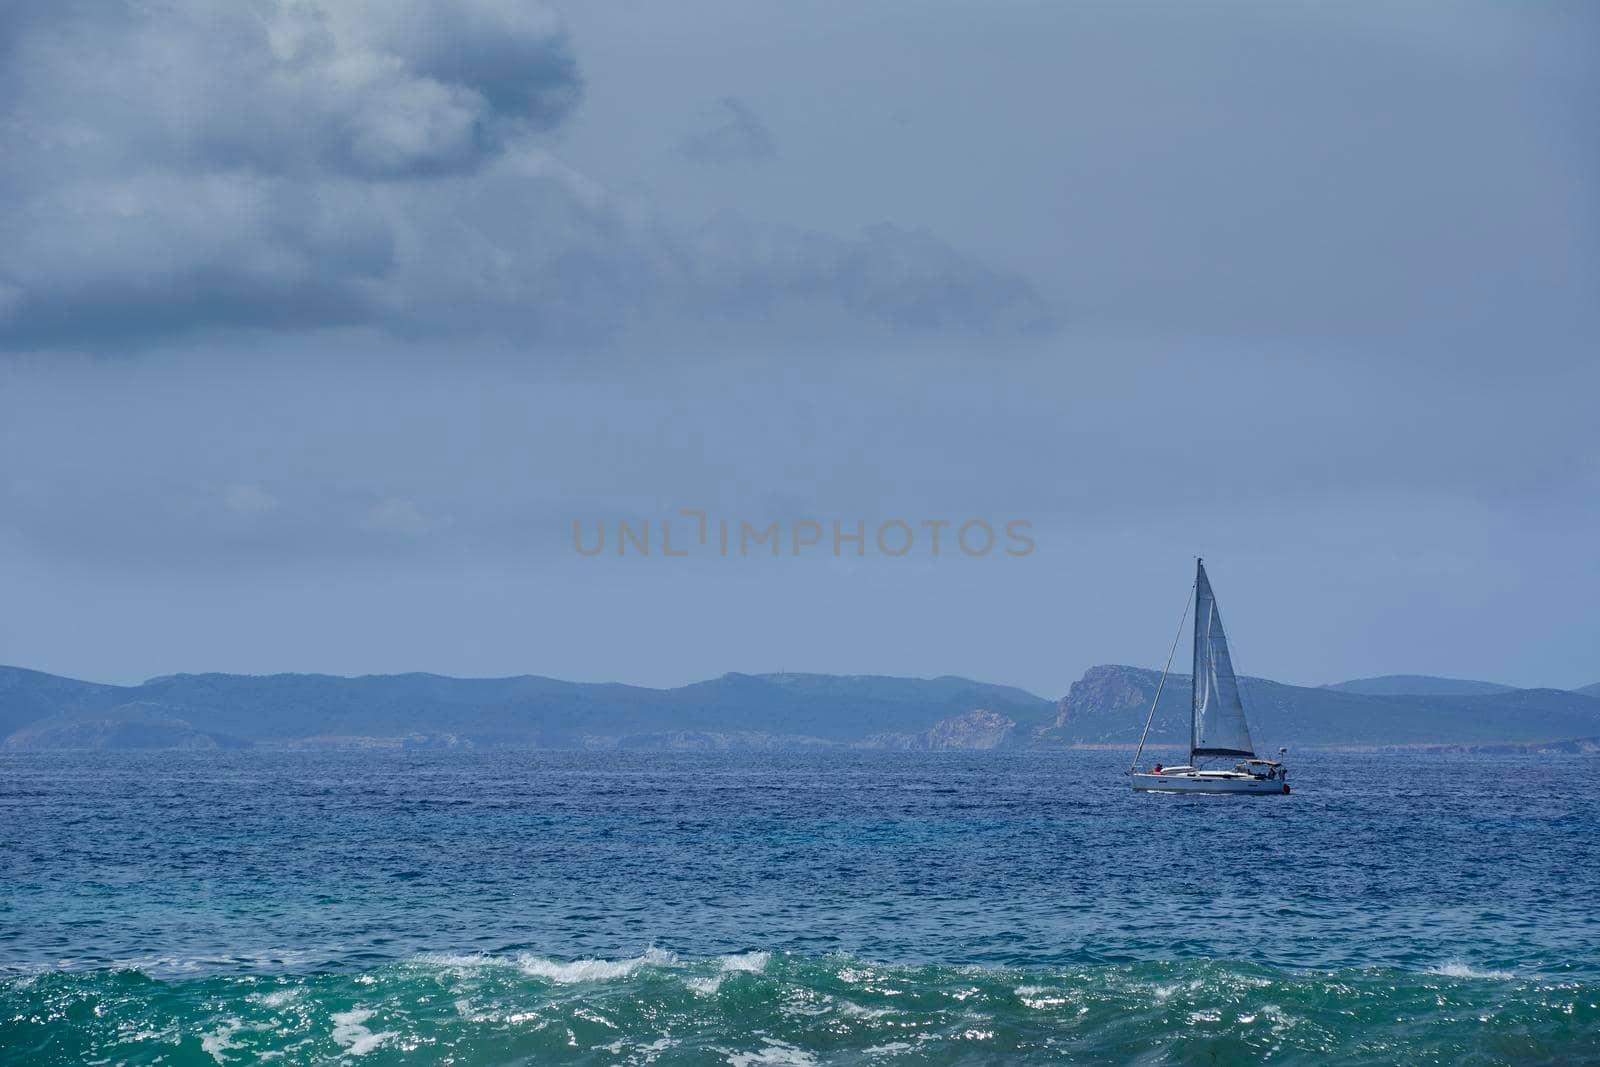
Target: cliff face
[(1108, 705), (976, 730), (126, 727), (113, 735), (1106, 691), (703, 741)]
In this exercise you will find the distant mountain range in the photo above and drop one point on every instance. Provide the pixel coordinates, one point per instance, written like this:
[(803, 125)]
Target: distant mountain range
[(40, 711), (1109, 704), (1106, 707), (1419, 685)]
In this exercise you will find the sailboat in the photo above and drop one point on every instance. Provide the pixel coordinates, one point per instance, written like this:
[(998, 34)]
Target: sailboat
[(1217, 725)]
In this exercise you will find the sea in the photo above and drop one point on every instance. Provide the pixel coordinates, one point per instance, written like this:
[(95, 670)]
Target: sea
[(522, 907)]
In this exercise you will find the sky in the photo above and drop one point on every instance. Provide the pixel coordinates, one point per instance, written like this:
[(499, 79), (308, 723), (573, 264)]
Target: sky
[(322, 324)]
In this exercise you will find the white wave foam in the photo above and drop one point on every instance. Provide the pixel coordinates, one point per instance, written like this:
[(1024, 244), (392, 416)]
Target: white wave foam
[(1457, 969), (591, 970), (276, 999), (641, 1053), (1039, 997), (466, 1011), (568, 972), (738, 963), (775, 1052), (893, 1048), (751, 962), (216, 1043), (350, 1031), (459, 961), (247, 962), (168, 1034)]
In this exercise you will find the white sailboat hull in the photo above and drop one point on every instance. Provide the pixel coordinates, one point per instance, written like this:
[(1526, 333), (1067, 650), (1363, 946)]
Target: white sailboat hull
[(1209, 782)]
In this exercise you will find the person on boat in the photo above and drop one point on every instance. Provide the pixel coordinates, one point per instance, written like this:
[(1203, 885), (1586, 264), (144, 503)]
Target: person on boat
[(1158, 769)]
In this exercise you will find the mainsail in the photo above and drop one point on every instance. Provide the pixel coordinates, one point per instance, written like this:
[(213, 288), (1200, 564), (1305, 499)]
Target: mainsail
[(1218, 727)]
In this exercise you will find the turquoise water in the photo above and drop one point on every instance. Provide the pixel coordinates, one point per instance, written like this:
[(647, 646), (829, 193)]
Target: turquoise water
[(874, 908)]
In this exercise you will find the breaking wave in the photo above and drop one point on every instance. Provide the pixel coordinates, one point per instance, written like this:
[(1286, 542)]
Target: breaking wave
[(776, 1008)]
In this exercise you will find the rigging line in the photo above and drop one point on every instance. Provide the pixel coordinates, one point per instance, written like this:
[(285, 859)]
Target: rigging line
[(1243, 684), (1163, 683)]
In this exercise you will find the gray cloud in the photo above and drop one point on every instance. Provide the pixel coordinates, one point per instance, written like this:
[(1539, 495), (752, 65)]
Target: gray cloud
[(159, 253), (185, 166), (737, 136), (376, 90), (906, 279)]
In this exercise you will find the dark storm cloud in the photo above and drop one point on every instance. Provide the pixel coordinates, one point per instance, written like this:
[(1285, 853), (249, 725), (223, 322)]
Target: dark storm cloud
[(374, 90), (736, 136), (178, 166), (120, 260)]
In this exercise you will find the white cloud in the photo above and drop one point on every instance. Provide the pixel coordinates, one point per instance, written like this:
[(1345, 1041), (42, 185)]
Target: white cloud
[(246, 499), (398, 515)]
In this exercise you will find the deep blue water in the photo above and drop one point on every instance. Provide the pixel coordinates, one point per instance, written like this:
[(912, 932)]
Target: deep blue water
[(793, 908)]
